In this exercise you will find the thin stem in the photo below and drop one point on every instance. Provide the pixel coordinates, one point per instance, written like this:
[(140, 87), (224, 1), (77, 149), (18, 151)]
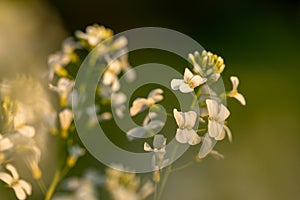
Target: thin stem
[(53, 185), (183, 166), (200, 130), (166, 174), (155, 192), (42, 186)]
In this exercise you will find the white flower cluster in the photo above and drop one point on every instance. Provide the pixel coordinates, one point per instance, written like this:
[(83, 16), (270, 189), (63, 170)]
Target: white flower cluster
[(22, 132), (25, 117)]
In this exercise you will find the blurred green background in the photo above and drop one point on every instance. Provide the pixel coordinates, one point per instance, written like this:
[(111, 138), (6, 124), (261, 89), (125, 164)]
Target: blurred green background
[(260, 43)]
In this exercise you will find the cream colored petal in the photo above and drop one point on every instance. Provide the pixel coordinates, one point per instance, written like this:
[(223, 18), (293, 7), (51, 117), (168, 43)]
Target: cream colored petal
[(6, 178), (138, 106), (27, 131), (235, 82), (214, 128), (20, 193), (159, 141), (178, 118), (26, 186), (5, 144), (187, 75), (206, 147), (181, 136), (108, 78), (185, 88), (65, 118), (192, 137), (228, 132), (13, 171), (175, 84), (221, 136), (156, 95), (147, 147), (223, 113), (240, 98), (190, 119), (198, 80), (212, 107)]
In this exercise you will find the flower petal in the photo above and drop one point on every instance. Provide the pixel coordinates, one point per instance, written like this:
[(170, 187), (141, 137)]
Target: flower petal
[(138, 105), (185, 88), (6, 178), (187, 75), (20, 193), (27, 131), (159, 141), (178, 118), (192, 137), (190, 119), (175, 84), (223, 113), (26, 186), (212, 107), (137, 132), (207, 145), (214, 128), (240, 98), (235, 82), (13, 171), (198, 80), (5, 144), (181, 136), (147, 147)]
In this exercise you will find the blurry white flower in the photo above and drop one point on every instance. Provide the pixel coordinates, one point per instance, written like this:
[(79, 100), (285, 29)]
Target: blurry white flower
[(118, 100), (65, 119), (126, 186), (75, 152), (21, 188), (188, 83), (56, 63), (5, 143), (234, 92), (150, 126), (159, 150), (110, 76), (64, 88), (185, 133), (217, 114), (94, 34), (140, 104), (21, 127)]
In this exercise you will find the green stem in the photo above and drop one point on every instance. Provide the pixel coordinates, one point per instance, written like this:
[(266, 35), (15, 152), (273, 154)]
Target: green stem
[(166, 174), (182, 167), (53, 185)]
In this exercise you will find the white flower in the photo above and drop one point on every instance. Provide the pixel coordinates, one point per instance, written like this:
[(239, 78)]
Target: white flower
[(186, 121), (159, 150), (56, 63), (217, 114), (75, 152), (5, 143), (150, 126), (110, 76), (118, 100), (65, 118), (63, 88), (234, 92), (188, 83), (94, 34), (22, 188), (140, 104), (21, 127)]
